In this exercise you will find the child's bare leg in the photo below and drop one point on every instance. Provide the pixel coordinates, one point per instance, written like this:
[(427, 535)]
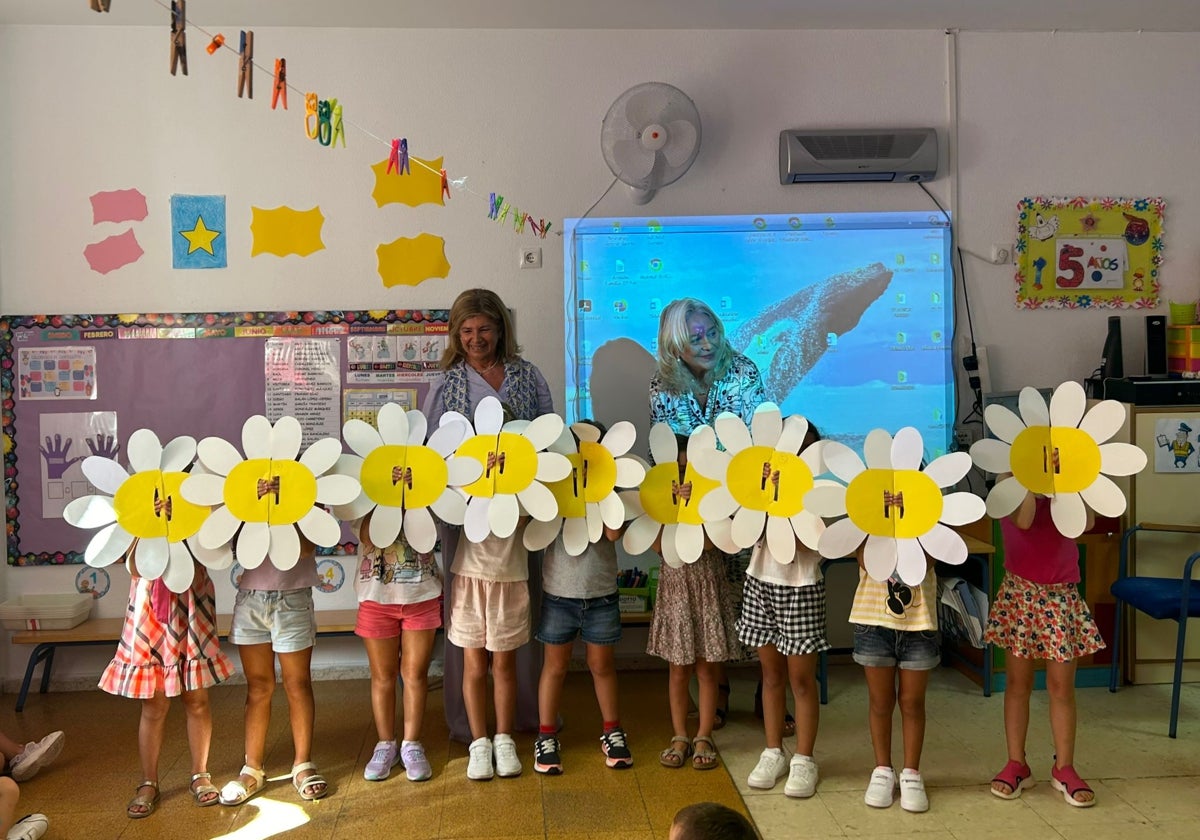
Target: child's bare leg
[(199, 732), (881, 696), (504, 689), (679, 678), (474, 690), (1060, 684), (802, 671), (707, 678), (912, 715), (417, 646), (9, 749), (258, 664), (296, 670), (9, 794), (601, 663), (151, 729), (774, 693), (556, 659), (1018, 685), (383, 657)]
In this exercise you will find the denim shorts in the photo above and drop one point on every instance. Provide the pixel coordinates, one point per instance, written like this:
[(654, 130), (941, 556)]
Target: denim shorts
[(882, 647), (598, 620), (285, 620)]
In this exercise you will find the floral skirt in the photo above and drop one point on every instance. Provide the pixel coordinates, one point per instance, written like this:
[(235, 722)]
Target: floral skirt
[(694, 616), (1042, 621)]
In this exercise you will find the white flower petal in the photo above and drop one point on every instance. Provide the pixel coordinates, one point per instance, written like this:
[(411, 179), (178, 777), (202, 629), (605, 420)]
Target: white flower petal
[(144, 451), (107, 546), (551, 465), (217, 455), (1032, 406), (322, 455), (732, 432), (911, 564), (392, 423), (1069, 514), (992, 455), (337, 489), (543, 430), (356, 509), (565, 443), (640, 534), (949, 469), (539, 501), (595, 520), (420, 530), (670, 553), (808, 528), (1103, 420), (710, 462), (90, 512), (418, 427), (766, 425), (843, 461), (840, 539), (1120, 459), (253, 544), (908, 449), (945, 545), (826, 500), (584, 431), (620, 438), (781, 539), (962, 508), (720, 534), (450, 507), (791, 438), (633, 504), (215, 559), (462, 471), (152, 555), (286, 437), (180, 569), (575, 536), (284, 547), (1067, 404), (178, 454), (717, 504), (663, 448), (204, 489), (1004, 497), (688, 541), (630, 472), (256, 437), (538, 535), (320, 528), (1104, 497), (747, 527), (1002, 423), (879, 557), (450, 417), (106, 474), (489, 416), (503, 514), (385, 525), (361, 437), (611, 510), (475, 523), (218, 529), (814, 457), (877, 450), (446, 438)]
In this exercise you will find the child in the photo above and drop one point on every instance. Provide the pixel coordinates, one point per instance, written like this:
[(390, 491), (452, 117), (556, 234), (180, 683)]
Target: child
[(710, 821), (24, 762), (579, 598), (30, 826), (273, 616), (169, 648), (1039, 614), (693, 629), (896, 642), (489, 617), (399, 610), (783, 616)]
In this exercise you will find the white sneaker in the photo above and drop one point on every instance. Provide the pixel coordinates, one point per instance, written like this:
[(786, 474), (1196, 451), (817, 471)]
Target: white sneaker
[(507, 763), (29, 827), (772, 766), (479, 767), (802, 778), (36, 755), (882, 790), (912, 792)]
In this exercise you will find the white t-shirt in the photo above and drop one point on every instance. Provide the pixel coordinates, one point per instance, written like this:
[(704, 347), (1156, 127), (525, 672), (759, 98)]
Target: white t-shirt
[(804, 570), (590, 575), (497, 559), (396, 575)]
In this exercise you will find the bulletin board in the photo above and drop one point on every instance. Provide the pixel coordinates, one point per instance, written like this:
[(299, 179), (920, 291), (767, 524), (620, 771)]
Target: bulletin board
[(77, 385)]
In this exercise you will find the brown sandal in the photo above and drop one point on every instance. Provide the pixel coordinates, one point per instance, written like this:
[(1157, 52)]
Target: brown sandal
[(148, 803), (674, 757), (703, 759)]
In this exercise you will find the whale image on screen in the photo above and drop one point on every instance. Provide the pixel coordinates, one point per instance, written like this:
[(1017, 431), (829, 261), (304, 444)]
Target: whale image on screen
[(849, 316)]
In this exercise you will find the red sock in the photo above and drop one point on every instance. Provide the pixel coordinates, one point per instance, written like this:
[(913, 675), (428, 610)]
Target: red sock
[(610, 725), (547, 730)]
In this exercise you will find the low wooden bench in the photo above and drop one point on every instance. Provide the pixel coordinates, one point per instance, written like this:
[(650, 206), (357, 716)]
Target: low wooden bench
[(107, 631)]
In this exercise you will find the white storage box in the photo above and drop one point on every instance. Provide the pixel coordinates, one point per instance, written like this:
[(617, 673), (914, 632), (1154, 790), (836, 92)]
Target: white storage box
[(46, 612)]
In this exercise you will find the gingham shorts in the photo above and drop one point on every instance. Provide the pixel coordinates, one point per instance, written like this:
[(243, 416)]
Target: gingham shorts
[(792, 618)]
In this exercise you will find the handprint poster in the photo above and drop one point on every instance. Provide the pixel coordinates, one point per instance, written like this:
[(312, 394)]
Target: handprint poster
[(65, 440), (56, 373)]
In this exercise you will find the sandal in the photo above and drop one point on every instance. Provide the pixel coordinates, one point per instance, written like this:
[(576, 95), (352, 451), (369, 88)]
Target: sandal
[(207, 788), (146, 803), (722, 711), (235, 792), (703, 759), (305, 787), (674, 757), (1017, 776), (1067, 782)]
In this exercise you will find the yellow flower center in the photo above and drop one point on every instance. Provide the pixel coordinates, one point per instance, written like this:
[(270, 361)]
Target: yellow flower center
[(149, 504), (275, 492), (660, 494), (404, 476), (513, 464), (780, 491), (894, 503), (1033, 457)]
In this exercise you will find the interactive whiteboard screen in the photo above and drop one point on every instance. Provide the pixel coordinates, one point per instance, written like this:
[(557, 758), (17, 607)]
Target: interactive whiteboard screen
[(849, 316)]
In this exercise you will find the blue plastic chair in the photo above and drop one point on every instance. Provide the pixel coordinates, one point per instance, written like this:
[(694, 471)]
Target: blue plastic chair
[(1174, 598)]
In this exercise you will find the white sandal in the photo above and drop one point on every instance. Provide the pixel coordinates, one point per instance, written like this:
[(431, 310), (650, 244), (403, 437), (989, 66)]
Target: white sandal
[(313, 779), (235, 793)]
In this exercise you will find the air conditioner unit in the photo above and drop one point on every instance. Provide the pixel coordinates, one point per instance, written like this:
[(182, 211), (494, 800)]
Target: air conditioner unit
[(868, 154)]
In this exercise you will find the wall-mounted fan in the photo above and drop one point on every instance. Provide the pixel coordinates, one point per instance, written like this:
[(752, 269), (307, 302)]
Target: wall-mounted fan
[(650, 137)]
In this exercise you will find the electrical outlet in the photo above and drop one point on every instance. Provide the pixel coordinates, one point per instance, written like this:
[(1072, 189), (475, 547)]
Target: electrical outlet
[(964, 438), (1002, 253), (530, 257)]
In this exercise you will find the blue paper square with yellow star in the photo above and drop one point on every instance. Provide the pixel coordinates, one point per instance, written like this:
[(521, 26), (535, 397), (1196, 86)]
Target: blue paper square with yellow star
[(198, 231)]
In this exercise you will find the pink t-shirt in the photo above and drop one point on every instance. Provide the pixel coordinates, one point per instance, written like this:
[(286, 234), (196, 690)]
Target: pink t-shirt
[(1040, 553)]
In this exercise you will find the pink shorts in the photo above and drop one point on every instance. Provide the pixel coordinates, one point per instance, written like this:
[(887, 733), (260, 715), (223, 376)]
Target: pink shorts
[(386, 621), (489, 614)]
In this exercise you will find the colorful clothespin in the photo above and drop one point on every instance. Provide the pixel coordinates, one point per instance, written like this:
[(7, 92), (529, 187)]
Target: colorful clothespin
[(336, 119), (545, 229), (279, 91), (100, 5), (519, 221), (215, 44), (310, 112), (533, 226), (494, 205), (324, 125), (445, 183), (405, 166), (394, 157), (504, 208), (178, 37), (246, 65)]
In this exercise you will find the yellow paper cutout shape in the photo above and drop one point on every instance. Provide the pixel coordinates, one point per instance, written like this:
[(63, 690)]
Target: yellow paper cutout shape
[(568, 492), (781, 492), (148, 504), (423, 186), (200, 238), (892, 503), (404, 476), (514, 467), (272, 490), (283, 231), (410, 262)]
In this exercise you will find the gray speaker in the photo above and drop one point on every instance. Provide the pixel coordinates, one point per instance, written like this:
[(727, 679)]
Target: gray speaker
[(1156, 345)]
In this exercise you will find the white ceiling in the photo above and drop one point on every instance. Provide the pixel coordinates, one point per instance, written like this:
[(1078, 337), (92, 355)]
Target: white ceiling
[(998, 15)]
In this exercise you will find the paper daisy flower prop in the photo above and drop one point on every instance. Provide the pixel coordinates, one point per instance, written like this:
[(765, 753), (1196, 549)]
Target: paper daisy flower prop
[(587, 498), (897, 506), (515, 470), (1058, 452), (269, 498), (764, 478), (668, 501), (403, 479), (145, 506)]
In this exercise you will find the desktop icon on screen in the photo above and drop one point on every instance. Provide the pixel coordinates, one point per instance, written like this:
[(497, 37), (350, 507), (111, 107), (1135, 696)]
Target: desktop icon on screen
[(902, 376), (936, 336), (901, 338), (654, 226), (619, 266), (831, 339), (655, 304), (899, 259), (620, 305), (585, 305), (727, 302), (656, 264), (794, 223)]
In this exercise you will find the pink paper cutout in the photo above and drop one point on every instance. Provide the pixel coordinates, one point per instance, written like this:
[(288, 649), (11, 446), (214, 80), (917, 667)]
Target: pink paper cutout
[(113, 253), (118, 206)]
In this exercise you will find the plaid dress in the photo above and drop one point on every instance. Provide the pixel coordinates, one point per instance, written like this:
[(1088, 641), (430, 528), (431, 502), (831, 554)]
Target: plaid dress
[(181, 654)]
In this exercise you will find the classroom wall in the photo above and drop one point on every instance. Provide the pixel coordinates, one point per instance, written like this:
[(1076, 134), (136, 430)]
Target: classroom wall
[(518, 113)]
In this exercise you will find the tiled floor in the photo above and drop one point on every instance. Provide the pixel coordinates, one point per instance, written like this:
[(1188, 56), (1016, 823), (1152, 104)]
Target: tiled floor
[(1147, 784)]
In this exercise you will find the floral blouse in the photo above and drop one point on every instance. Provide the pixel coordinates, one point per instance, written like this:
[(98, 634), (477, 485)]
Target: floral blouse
[(739, 392)]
